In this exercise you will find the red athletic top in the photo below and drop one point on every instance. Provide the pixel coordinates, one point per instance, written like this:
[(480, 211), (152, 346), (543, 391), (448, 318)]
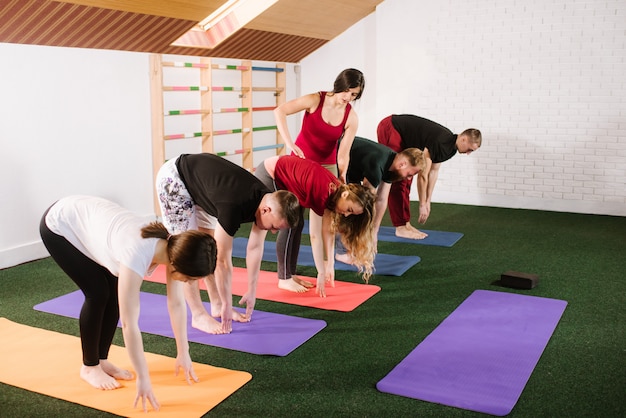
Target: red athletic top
[(310, 182), (317, 139)]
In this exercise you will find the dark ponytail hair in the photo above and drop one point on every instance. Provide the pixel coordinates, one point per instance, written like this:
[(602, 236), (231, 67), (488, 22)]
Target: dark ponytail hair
[(192, 253)]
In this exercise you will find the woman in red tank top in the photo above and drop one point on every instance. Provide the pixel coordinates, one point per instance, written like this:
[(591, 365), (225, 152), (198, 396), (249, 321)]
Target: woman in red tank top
[(328, 117)]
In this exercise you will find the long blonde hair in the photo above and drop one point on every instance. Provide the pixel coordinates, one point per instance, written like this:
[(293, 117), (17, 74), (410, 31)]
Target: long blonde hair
[(356, 231)]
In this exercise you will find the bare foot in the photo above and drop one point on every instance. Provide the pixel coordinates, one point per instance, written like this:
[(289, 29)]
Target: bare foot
[(303, 282), (114, 371), (291, 285), (416, 230), (96, 377), (409, 232), (344, 258), (239, 317), (207, 324)]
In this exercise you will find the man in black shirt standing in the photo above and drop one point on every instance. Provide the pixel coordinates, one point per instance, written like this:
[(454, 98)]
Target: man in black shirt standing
[(439, 144)]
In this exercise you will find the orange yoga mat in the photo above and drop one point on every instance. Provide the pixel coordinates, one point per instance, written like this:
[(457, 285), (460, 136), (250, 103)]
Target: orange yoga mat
[(55, 372), (345, 296)]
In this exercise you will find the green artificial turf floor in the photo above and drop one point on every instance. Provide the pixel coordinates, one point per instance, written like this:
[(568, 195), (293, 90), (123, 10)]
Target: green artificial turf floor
[(582, 372)]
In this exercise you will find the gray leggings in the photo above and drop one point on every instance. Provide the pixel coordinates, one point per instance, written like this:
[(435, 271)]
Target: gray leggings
[(287, 240)]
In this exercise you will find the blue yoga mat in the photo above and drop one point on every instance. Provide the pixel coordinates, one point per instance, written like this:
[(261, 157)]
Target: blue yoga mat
[(481, 356), (385, 264), (267, 333), (435, 238)]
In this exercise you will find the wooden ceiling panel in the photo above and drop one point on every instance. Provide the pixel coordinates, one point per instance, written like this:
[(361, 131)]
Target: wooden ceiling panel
[(287, 32), (51, 23), (323, 19), (266, 46), (195, 10)]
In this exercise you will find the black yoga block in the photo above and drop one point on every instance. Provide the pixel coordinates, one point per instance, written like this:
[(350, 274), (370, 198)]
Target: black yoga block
[(519, 280)]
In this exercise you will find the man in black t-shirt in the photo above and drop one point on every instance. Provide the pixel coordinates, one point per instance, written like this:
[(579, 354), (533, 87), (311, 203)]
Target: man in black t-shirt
[(439, 144), (214, 195)]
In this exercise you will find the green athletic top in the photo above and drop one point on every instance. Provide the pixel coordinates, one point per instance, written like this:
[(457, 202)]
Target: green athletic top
[(370, 160)]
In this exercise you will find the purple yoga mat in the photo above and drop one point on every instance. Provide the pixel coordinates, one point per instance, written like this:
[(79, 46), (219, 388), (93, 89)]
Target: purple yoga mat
[(267, 333), (481, 356)]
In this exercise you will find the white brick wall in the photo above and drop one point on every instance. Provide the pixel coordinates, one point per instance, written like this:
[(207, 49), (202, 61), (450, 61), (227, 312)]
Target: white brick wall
[(544, 80)]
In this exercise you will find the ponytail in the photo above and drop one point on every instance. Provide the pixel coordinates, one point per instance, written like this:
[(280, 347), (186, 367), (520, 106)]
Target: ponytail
[(192, 253)]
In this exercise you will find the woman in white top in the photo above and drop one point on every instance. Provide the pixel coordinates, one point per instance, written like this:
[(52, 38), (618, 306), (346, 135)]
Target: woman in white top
[(107, 250)]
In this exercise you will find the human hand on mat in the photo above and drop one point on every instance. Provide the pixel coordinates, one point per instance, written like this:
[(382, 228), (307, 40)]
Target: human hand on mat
[(183, 361), (322, 279), (320, 288), (329, 276), (330, 272), (144, 392), (227, 318), (250, 300), (424, 212)]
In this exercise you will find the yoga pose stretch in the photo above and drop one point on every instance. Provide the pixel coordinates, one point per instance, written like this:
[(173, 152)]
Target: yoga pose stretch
[(345, 208), (439, 144), (214, 195), (328, 117), (378, 166), (107, 250)]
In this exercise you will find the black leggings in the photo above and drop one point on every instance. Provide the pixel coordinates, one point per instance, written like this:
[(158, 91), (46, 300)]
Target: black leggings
[(100, 313)]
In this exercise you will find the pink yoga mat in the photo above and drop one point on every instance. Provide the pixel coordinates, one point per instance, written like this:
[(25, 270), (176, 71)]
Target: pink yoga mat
[(481, 356), (344, 297)]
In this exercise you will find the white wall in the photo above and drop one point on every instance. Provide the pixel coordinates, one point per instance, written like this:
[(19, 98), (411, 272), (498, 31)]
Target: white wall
[(355, 48), (545, 82), (78, 121), (71, 121)]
